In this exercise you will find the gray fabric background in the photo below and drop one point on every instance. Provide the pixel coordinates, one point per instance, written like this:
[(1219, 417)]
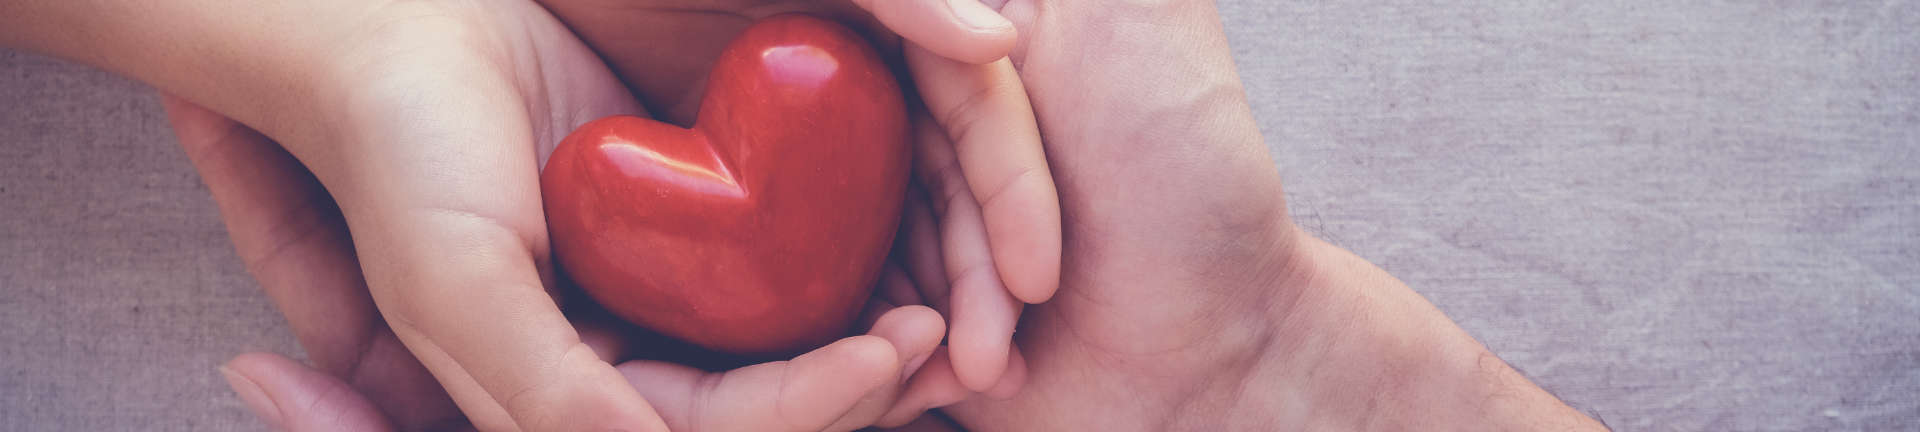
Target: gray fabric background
[(1695, 215)]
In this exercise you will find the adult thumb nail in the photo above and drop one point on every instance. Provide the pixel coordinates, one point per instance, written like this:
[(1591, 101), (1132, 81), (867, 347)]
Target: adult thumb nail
[(977, 15), (255, 397)]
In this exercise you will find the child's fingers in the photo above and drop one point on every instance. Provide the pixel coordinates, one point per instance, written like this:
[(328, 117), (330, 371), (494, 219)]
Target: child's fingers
[(936, 386), (982, 312), (842, 386), (933, 386), (996, 145), (914, 332)]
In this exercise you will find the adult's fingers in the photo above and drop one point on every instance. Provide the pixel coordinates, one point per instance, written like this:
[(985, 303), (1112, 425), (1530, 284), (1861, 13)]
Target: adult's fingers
[(292, 397), (285, 229), (986, 115), (964, 30), (292, 239), (843, 386)]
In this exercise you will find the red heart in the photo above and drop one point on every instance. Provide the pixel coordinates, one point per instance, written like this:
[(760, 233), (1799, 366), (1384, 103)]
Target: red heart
[(761, 229)]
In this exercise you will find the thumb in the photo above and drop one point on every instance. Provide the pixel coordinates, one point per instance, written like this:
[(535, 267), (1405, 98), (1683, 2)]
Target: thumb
[(963, 30), (842, 386), (290, 396)]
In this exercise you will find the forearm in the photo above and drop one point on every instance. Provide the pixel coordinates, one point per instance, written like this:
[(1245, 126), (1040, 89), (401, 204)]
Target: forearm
[(249, 60), (1371, 354)]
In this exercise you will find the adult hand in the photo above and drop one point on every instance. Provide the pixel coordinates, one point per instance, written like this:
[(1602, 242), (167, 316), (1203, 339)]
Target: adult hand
[(429, 161), (990, 241), (1188, 299)]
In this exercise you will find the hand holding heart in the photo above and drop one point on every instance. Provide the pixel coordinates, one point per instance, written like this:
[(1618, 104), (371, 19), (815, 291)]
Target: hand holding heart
[(376, 163), (446, 260)]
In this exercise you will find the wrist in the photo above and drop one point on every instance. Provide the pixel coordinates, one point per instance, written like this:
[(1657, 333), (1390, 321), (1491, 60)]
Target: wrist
[(1359, 350)]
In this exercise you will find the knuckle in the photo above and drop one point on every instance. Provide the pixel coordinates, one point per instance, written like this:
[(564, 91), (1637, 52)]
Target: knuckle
[(963, 118), (540, 399), (991, 198), (975, 273)]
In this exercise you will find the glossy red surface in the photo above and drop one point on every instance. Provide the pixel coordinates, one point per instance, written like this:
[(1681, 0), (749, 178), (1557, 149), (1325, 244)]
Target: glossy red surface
[(761, 229)]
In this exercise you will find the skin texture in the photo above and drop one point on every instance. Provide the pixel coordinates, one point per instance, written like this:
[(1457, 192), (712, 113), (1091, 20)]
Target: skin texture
[(376, 163), (1203, 309), (1188, 299), (1208, 309), (759, 231)]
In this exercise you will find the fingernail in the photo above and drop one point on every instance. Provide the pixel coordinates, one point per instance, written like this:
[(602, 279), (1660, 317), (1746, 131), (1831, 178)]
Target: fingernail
[(255, 397), (913, 366), (977, 15)]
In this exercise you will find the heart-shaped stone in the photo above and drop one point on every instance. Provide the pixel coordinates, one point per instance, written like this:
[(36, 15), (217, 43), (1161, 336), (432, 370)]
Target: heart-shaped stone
[(760, 230)]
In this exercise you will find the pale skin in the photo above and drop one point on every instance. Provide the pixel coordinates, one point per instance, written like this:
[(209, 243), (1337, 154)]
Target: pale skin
[(376, 163), (1187, 298)]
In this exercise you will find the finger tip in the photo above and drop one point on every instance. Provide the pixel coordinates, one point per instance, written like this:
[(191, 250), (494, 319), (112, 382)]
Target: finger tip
[(984, 34), (978, 366), (1035, 292), (921, 315), (1012, 380), (919, 338), (868, 353), (1037, 276), (910, 329), (988, 45), (1000, 45), (253, 395), (1028, 249), (979, 346)]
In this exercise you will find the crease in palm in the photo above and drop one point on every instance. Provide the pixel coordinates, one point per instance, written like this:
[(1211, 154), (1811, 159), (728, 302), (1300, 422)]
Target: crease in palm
[(550, 98)]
